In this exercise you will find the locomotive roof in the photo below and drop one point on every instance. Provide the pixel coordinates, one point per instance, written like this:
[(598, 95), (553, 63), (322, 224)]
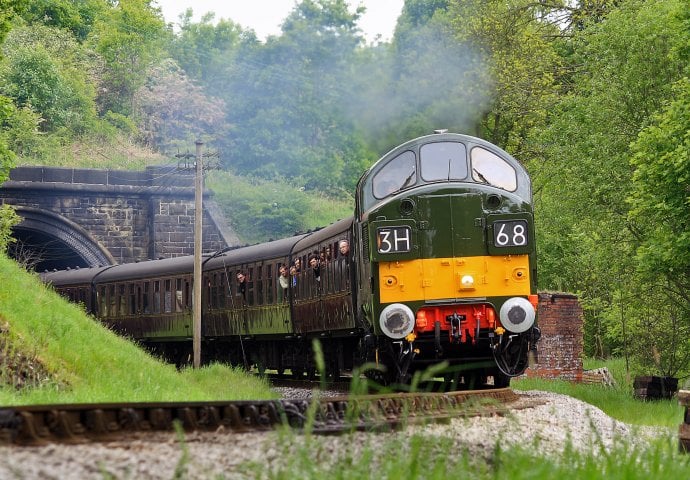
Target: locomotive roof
[(460, 169)]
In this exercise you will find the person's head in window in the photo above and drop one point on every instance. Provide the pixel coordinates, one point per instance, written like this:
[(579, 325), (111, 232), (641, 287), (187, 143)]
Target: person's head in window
[(241, 284), (283, 279), (344, 247), (283, 271), (315, 265)]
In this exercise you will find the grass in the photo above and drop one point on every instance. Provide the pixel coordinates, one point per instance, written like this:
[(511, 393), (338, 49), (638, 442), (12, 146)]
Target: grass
[(84, 362), (116, 152), (438, 457), (617, 401)]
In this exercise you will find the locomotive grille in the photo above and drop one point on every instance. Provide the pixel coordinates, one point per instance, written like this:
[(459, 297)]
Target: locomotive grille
[(365, 241)]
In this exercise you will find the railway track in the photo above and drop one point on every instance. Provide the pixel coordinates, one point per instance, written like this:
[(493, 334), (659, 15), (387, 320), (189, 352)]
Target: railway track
[(38, 425)]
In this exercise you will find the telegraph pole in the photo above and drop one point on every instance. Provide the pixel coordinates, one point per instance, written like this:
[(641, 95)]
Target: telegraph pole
[(198, 233)]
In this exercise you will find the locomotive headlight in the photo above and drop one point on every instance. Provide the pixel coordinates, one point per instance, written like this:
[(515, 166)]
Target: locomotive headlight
[(517, 315), (467, 281), (397, 321)]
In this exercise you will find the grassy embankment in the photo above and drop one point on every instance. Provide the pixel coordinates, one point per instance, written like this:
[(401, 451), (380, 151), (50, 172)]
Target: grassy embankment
[(64, 356)]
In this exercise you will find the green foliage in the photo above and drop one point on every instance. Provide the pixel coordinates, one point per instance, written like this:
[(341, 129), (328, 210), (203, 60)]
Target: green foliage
[(660, 199), (660, 202), (78, 17), (8, 9), (517, 77), (130, 38), (8, 219), (621, 73), (46, 71), (204, 50), (260, 210)]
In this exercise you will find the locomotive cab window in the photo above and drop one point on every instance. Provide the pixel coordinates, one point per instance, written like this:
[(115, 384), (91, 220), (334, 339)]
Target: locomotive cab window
[(396, 175), (443, 161), (490, 169)]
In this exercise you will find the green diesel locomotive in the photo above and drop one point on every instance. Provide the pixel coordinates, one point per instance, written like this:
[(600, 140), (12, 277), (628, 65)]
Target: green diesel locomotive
[(437, 264)]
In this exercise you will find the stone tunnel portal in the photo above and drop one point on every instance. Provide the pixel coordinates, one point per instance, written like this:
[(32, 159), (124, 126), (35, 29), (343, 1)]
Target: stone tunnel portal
[(46, 241)]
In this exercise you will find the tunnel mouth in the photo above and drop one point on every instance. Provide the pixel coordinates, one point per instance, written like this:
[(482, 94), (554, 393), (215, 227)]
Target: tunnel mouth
[(46, 241)]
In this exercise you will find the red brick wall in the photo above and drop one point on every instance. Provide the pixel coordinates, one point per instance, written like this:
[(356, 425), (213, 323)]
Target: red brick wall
[(560, 319)]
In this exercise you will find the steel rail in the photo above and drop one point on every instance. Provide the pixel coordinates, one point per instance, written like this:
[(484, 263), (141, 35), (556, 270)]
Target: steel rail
[(81, 423)]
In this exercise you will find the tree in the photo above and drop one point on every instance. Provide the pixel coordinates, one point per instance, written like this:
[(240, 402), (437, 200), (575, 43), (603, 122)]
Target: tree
[(130, 38), (8, 9), (45, 70), (173, 111), (288, 100), (8, 217), (205, 50), (75, 16), (582, 176), (515, 68), (660, 199)]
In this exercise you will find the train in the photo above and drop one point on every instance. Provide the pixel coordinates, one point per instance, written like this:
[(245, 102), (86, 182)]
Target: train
[(436, 266)]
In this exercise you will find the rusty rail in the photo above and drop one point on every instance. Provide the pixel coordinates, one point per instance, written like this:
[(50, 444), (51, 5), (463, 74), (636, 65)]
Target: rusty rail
[(37, 425)]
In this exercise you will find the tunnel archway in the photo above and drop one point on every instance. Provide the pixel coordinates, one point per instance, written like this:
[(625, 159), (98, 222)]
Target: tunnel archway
[(46, 241)]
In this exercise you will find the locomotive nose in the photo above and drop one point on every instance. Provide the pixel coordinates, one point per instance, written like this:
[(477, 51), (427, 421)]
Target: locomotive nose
[(517, 315)]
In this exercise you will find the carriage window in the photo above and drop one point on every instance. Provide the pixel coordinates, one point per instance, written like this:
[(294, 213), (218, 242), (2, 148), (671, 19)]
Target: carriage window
[(157, 296), (82, 296), (187, 293), (168, 297), (271, 285), (178, 295), (221, 290), (111, 300), (132, 300), (145, 298), (259, 286), (101, 301), (250, 287), (210, 281), (122, 300), (396, 175), (490, 169), (443, 161)]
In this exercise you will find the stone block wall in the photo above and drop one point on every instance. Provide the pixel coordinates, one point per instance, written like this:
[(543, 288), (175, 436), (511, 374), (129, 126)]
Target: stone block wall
[(561, 321), (134, 216)]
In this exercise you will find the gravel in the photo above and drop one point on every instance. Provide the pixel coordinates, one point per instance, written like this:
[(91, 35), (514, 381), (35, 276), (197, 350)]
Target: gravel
[(560, 422)]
